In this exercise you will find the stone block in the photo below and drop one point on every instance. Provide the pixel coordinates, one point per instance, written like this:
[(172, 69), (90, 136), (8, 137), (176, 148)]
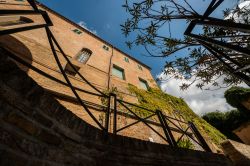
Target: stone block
[(11, 159), (22, 123), (42, 120), (49, 138)]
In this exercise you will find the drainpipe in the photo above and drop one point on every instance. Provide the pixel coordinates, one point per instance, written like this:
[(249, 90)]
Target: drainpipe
[(110, 67)]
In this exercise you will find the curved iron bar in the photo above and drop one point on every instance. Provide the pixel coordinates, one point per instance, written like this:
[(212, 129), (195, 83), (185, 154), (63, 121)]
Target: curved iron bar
[(23, 62), (211, 44), (73, 67), (51, 40)]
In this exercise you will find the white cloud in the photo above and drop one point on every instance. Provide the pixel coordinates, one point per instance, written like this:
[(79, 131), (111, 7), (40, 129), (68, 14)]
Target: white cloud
[(84, 25), (200, 101)]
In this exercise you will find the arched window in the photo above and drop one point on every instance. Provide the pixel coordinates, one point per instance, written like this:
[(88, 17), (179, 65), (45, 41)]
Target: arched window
[(83, 55), (14, 20)]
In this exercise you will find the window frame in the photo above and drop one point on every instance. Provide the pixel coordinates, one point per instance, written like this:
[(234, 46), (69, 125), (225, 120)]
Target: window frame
[(145, 82), (119, 69), (69, 70), (105, 47), (7, 21), (126, 59), (139, 67), (77, 31), (89, 53)]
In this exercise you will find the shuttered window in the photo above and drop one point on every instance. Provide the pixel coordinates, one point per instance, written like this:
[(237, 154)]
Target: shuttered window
[(14, 20), (126, 59)]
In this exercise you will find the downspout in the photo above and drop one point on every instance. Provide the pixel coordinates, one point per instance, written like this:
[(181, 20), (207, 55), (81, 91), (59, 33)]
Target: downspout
[(110, 67)]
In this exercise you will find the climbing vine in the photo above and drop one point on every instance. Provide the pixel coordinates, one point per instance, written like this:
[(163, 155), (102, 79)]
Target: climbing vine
[(154, 99)]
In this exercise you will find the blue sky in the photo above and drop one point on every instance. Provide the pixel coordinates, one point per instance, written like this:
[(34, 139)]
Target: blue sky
[(105, 17)]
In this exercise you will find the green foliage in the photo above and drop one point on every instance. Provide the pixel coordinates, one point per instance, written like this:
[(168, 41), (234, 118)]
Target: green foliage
[(226, 122), (185, 143), (154, 99), (113, 90), (236, 95), (147, 23)]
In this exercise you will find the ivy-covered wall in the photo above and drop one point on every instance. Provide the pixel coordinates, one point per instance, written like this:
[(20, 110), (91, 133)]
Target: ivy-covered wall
[(155, 99)]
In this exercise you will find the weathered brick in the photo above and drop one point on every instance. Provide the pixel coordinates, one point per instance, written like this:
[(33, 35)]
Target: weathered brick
[(49, 138), (22, 123), (34, 95), (11, 159), (48, 105), (43, 120), (117, 150)]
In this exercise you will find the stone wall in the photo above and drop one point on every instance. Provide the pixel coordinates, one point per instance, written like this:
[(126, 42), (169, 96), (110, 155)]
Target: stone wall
[(65, 97), (36, 130), (239, 153), (243, 133)]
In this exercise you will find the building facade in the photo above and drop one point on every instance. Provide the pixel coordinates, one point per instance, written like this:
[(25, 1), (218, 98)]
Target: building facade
[(102, 64)]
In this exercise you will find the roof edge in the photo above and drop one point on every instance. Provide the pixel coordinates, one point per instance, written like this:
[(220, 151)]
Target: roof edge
[(90, 33)]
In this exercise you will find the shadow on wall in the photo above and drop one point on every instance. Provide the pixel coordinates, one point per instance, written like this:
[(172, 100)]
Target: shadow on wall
[(15, 46)]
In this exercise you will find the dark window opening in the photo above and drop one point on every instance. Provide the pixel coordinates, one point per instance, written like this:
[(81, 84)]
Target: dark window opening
[(126, 59), (15, 20), (70, 71), (139, 67), (77, 31), (143, 84), (105, 47), (118, 72)]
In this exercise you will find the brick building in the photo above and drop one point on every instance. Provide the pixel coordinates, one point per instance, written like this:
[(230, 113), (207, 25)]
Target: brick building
[(101, 63)]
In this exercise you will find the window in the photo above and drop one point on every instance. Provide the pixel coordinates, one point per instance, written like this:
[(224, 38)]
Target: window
[(14, 20), (118, 72), (105, 47), (143, 84), (69, 70), (139, 67), (126, 59), (83, 55), (77, 31)]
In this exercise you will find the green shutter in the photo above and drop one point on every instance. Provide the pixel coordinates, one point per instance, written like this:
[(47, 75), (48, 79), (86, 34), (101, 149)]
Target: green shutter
[(105, 47), (126, 59), (139, 67), (77, 31)]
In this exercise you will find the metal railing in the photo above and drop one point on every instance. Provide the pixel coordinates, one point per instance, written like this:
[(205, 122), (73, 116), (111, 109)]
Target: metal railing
[(166, 123)]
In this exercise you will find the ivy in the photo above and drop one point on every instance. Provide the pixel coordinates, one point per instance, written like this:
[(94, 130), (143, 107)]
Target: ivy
[(155, 99), (185, 143)]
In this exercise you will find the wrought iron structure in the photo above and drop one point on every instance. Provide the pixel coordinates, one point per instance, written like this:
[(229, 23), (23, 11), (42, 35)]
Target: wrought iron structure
[(220, 48), (165, 123)]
